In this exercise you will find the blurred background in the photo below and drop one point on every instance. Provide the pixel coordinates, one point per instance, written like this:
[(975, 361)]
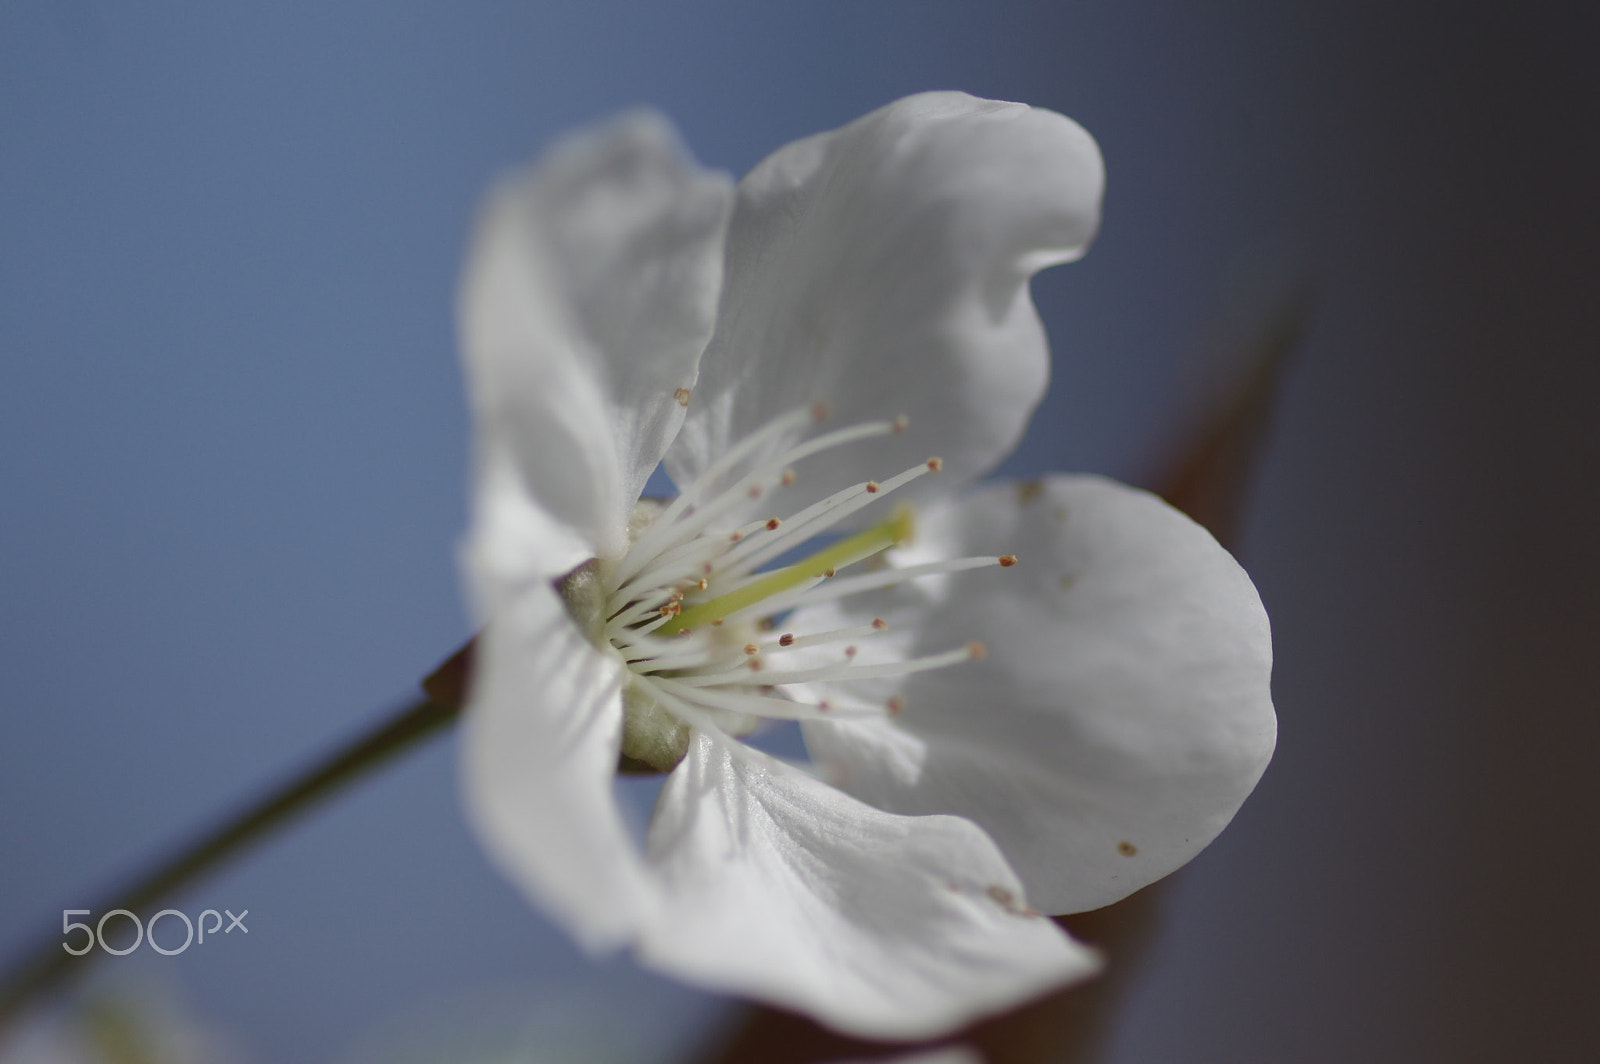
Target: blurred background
[(233, 446)]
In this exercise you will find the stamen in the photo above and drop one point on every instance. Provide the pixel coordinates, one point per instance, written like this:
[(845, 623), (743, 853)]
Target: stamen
[(753, 705), (837, 635), (846, 671), (662, 532), (689, 559), (671, 528), (853, 585), (753, 553), (862, 545), (681, 582), (816, 519)]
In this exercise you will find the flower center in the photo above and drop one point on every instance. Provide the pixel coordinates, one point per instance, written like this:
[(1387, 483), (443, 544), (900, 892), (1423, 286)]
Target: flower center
[(691, 610)]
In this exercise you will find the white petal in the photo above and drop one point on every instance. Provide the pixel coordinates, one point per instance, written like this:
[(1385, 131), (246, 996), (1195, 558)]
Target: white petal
[(540, 753), (883, 268), (1123, 712), (589, 293), (782, 888)]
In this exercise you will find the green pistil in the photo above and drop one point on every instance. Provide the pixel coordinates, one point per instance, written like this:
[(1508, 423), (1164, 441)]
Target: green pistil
[(848, 551)]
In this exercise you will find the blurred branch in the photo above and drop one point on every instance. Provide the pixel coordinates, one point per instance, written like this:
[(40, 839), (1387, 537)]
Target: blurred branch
[(47, 964), (1208, 471)]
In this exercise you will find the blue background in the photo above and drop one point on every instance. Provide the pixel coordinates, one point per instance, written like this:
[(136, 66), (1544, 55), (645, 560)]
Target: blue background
[(233, 445)]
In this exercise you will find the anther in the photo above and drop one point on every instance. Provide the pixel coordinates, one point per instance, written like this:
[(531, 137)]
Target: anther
[(755, 664), (872, 487), (935, 464), (786, 639), (751, 648), (682, 396), (787, 478), (901, 423), (671, 609), (773, 523), (1007, 560), (829, 573), (879, 623), (977, 651), (734, 537), (819, 411), (850, 651), (755, 491), (824, 706), (896, 705)]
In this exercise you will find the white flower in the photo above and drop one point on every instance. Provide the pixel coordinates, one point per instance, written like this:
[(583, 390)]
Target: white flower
[(621, 307)]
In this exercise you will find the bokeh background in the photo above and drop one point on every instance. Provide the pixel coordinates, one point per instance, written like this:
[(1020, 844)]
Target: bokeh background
[(233, 445)]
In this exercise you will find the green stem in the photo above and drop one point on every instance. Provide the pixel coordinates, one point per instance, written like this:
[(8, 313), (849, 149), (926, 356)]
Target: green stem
[(47, 964)]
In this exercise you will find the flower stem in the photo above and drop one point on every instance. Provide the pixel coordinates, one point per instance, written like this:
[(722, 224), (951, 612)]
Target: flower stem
[(47, 964)]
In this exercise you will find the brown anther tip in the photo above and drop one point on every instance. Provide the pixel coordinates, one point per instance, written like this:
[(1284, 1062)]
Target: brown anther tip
[(772, 524), (708, 568), (819, 411), (901, 423), (788, 477), (786, 639), (830, 573), (703, 583), (671, 609), (872, 487), (717, 623), (879, 623), (896, 705), (755, 664), (1007, 560), (977, 651), (755, 491), (734, 537), (850, 652), (1127, 849), (682, 396), (823, 706), (935, 464), (751, 648)]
